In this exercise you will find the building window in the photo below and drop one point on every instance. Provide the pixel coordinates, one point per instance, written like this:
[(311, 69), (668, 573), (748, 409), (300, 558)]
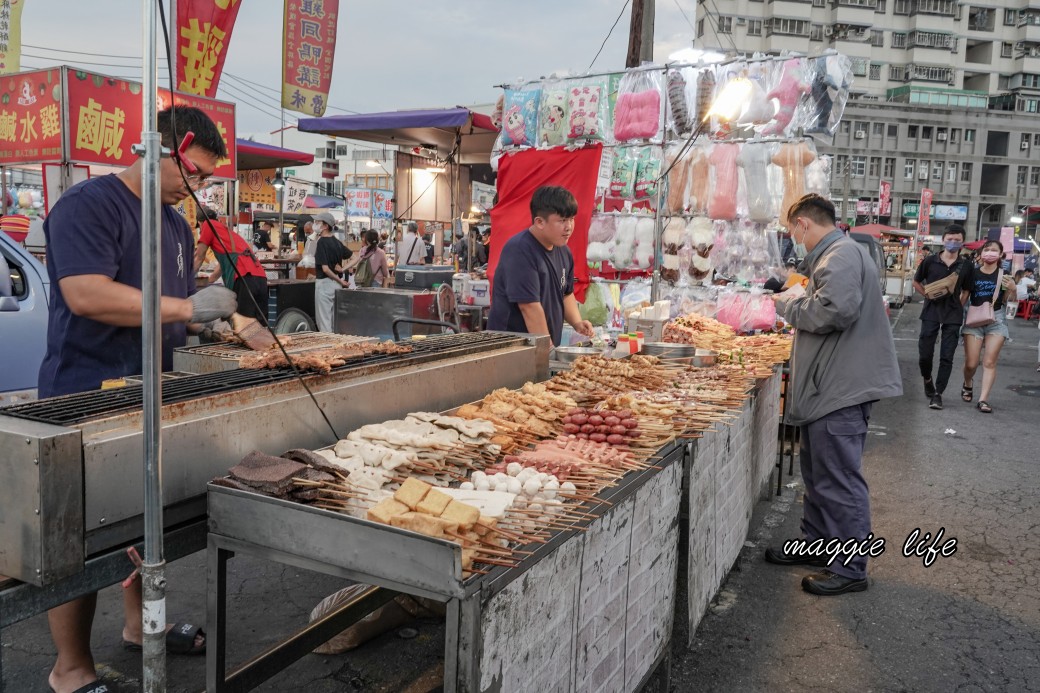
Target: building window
[(901, 7), (845, 127), (875, 71), (859, 166), (788, 27), (897, 73), (930, 73), (859, 67), (860, 127), (875, 166), (955, 134), (898, 40), (941, 134), (841, 164), (819, 3), (700, 28), (725, 25), (754, 27), (951, 171), (922, 169), (1020, 175), (943, 7), (932, 39), (965, 172), (816, 32), (1006, 49), (1036, 139), (969, 135), (1024, 141), (1030, 106), (1034, 175), (937, 169), (890, 168), (882, 5), (893, 130), (926, 132), (911, 132), (908, 169), (877, 129), (877, 38), (1010, 17)]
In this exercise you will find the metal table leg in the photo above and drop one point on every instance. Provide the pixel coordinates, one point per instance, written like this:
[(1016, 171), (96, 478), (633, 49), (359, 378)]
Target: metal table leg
[(216, 614)]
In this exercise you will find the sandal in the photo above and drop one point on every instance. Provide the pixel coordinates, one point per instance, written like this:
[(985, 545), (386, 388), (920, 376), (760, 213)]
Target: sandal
[(966, 393), (180, 639), (984, 407)]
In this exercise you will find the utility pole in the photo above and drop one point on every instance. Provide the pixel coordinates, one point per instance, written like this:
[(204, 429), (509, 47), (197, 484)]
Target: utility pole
[(641, 33), (845, 194)]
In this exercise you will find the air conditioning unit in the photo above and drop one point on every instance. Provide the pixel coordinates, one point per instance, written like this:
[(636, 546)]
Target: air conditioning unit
[(741, 21), (922, 175), (1025, 144), (861, 134), (828, 31), (940, 136)]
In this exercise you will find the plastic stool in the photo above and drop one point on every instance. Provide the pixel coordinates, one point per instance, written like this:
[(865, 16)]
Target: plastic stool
[(1027, 309)]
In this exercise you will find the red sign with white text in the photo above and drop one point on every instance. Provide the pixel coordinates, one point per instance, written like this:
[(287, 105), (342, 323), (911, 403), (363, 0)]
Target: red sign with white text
[(308, 52), (924, 225), (885, 199), (30, 117), (203, 34), (105, 119)]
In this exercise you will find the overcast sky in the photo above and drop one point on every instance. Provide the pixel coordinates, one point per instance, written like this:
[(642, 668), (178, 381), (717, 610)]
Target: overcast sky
[(391, 54)]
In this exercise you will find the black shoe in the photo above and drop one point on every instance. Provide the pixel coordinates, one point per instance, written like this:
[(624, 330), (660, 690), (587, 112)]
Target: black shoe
[(778, 557), (936, 402), (827, 584), (929, 388)]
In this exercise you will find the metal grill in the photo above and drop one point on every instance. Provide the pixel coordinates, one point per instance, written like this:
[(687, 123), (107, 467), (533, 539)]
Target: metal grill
[(89, 406), (299, 341)]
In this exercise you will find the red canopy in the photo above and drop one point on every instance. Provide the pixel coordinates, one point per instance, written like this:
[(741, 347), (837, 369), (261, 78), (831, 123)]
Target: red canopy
[(253, 155), (874, 230)]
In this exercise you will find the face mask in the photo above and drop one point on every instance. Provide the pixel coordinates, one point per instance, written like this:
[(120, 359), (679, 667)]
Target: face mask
[(953, 246), (799, 246), (990, 256)]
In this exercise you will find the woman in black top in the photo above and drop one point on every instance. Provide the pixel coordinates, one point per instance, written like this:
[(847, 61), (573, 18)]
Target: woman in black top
[(977, 287), (329, 258)]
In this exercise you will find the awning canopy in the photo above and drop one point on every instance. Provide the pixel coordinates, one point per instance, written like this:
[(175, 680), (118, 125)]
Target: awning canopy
[(253, 155), (322, 202), (437, 129), (876, 230), (1020, 245)]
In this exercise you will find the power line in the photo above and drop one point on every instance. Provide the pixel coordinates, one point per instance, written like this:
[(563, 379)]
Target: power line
[(732, 43), (613, 26), (683, 12), (96, 55)]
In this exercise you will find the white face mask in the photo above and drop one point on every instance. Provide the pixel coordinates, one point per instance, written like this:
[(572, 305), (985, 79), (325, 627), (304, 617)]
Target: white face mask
[(799, 246)]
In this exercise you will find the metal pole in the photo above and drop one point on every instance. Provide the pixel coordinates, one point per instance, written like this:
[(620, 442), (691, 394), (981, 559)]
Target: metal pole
[(153, 572)]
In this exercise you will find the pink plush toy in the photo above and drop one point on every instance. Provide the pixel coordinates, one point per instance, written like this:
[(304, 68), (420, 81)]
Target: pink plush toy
[(792, 160), (788, 92), (699, 170), (637, 115), (723, 203)]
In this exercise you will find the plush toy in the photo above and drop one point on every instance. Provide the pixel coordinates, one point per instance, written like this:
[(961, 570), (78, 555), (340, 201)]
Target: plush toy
[(754, 158), (599, 252), (623, 174), (682, 119), (672, 239), (788, 92), (643, 253), (520, 117), (701, 235), (792, 158), (552, 117), (705, 94), (723, 202), (829, 90), (700, 168), (648, 170), (584, 120), (758, 110), (602, 228), (637, 115)]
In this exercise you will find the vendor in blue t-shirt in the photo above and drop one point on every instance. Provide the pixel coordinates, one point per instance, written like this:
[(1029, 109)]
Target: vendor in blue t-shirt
[(534, 281)]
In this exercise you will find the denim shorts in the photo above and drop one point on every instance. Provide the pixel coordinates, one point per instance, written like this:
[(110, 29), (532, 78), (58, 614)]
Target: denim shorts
[(998, 327)]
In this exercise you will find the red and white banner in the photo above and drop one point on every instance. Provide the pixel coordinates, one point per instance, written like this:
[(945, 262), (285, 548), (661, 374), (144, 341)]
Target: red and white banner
[(924, 225), (309, 49), (203, 35), (885, 198)]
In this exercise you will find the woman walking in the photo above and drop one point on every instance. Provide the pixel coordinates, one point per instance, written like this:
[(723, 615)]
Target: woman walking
[(981, 285), (376, 271)]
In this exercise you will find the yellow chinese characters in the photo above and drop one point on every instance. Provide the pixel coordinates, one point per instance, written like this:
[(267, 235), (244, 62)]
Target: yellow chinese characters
[(201, 53), (49, 123), (100, 129)]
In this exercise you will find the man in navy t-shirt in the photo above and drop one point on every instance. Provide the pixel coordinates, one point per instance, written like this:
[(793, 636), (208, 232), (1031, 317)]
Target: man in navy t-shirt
[(94, 322), (534, 281)]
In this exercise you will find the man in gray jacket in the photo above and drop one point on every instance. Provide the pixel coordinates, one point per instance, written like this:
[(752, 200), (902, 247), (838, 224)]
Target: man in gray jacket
[(843, 360)]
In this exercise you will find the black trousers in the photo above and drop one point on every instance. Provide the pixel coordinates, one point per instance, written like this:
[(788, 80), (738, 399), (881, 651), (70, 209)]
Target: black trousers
[(947, 348), (247, 289)]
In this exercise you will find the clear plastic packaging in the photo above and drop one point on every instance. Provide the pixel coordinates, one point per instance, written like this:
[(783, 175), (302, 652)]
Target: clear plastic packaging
[(602, 231), (623, 174), (723, 202), (637, 114), (520, 117), (678, 180), (791, 86), (648, 171), (760, 182), (758, 109), (624, 242), (792, 158), (645, 247), (587, 111), (818, 176), (552, 114), (706, 85), (759, 312), (699, 163), (673, 239), (636, 294), (701, 234), (831, 80), (681, 116)]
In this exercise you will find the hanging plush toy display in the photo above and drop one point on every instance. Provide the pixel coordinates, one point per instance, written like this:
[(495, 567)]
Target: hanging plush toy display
[(648, 171), (831, 77), (520, 117), (758, 109), (637, 114), (754, 159), (623, 174), (792, 158), (699, 162), (723, 202), (552, 115), (586, 111), (681, 116), (788, 93), (678, 179)]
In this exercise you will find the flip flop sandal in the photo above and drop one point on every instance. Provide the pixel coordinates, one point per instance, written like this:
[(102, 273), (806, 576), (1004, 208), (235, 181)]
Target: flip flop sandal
[(984, 407), (966, 393), (179, 640), (94, 687)]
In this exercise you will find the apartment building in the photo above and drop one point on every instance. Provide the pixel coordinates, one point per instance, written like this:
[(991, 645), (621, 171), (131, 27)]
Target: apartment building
[(946, 95)]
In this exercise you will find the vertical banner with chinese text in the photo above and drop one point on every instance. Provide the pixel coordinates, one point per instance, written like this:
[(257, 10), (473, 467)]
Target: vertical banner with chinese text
[(924, 226), (308, 52), (11, 36), (885, 199), (203, 35), (358, 203), (383, 204), (30, 117)]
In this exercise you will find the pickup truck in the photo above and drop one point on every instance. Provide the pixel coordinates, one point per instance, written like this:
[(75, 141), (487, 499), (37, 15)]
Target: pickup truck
[(24, 296)]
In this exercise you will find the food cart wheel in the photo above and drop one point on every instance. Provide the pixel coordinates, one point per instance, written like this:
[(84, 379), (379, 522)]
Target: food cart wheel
[(294, 320)]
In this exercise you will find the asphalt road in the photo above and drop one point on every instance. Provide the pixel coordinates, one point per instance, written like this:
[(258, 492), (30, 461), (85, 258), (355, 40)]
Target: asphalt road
[(969, 622)]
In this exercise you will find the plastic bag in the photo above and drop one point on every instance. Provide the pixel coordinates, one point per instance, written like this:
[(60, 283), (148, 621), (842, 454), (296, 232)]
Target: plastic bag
[(759, 313), (520, 117), (648, 171), (645, 246), (818, 176), (681, 117), (754, 160), (792, 158), (401, 610), (678, 180), (701, 238), (791, 86), (672, 241), (552, 115), (635, 295), (637, 114), (699, 163), (598, 306), (623, 174), (758, 109), (602, 228), (624, 242), (831, 81), (723, 202), (706, 84), (586, 111), (730, 308)]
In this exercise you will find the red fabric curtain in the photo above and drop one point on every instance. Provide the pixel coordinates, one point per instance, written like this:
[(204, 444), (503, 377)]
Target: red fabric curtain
[(519, 175)]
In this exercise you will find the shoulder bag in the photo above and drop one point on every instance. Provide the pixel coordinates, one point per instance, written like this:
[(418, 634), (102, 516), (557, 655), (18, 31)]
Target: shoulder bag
[(941, 288), (981, 316)]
